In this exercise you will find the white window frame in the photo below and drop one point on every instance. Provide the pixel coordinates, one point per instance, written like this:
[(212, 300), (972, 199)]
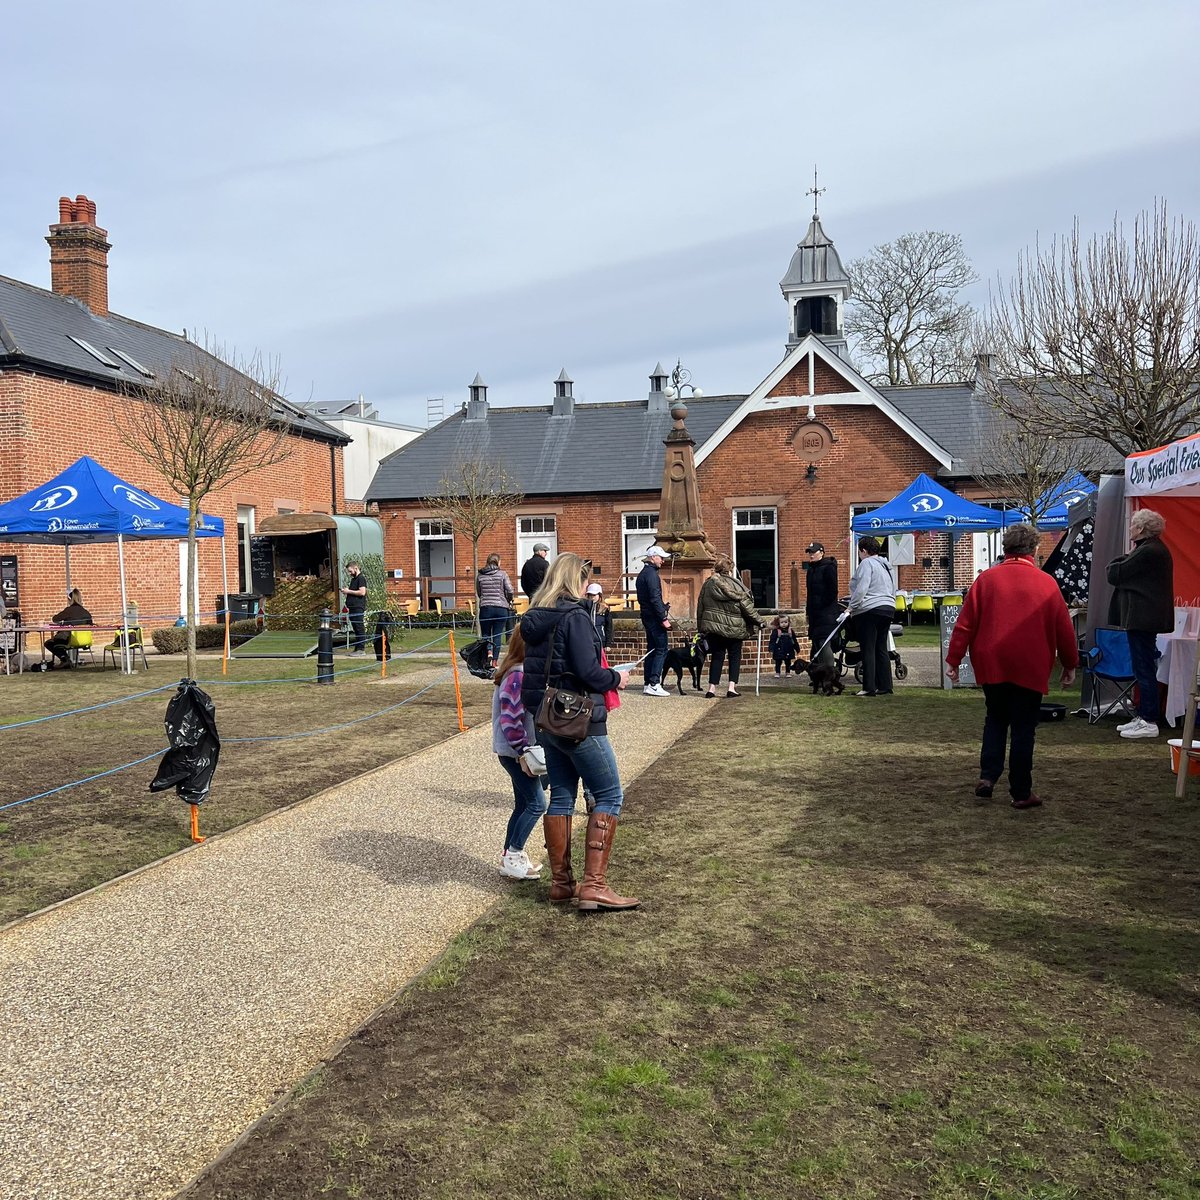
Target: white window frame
[(748, 526), (548, 531), (637, 529)]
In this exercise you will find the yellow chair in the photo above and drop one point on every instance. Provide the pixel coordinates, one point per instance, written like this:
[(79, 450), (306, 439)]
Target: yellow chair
[(922, 602), (521, 605), (953, 598), (80, 643), (437, 606), (136, 647), (902, 606)]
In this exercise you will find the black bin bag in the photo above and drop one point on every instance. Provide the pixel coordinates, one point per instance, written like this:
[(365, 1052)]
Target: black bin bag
[(478, 657), (189, 765)]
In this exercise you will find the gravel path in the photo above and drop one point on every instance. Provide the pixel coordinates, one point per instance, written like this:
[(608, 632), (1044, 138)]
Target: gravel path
[(145, 1025)]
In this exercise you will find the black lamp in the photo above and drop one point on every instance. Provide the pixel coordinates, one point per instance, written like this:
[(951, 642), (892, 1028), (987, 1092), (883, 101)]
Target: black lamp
[(811, 473)]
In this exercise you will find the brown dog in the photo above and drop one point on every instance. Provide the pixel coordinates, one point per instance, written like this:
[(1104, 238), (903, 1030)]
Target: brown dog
[(823, 676)]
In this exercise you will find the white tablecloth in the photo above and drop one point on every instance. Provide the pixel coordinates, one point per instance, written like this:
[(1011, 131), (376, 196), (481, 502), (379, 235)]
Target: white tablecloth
[(1177, 669)]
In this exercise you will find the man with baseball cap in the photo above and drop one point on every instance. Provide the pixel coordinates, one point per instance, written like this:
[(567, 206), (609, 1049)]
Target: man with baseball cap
[(821, 606), (655, 620), (534, 570)]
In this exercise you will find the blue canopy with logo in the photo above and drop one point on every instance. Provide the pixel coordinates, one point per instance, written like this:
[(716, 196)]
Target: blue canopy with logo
[(1058, 504), (925, 505), (86, 503)]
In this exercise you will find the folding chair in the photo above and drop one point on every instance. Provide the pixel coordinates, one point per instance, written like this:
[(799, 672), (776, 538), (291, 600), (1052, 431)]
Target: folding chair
[(80, 643), (136, 647), (1109, 661)]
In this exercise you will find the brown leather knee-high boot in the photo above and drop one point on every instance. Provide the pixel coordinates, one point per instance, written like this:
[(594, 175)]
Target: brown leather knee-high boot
[(595, 892), (558, 845)]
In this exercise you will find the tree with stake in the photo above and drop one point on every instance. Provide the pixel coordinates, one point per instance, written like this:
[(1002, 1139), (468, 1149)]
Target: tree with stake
[(473, 495), (210, 421)]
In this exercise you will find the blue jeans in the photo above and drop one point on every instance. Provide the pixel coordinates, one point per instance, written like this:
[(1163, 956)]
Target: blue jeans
[(1143, 654), (591, 760), (657, 643), (529, 802), (492, 622)]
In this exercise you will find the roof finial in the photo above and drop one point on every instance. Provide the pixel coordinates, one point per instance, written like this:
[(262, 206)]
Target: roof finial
[(814, 192)]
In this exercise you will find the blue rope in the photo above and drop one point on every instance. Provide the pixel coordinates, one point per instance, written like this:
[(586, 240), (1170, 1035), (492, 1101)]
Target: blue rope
[(279, 737), (72, 712)]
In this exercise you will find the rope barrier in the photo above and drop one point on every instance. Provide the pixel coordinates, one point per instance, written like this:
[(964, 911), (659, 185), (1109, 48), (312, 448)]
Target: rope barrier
[(278, 737), (73, 712)]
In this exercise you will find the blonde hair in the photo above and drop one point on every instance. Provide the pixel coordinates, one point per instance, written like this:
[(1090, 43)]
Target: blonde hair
[(565, 580), (1148, 522), (513, 656)]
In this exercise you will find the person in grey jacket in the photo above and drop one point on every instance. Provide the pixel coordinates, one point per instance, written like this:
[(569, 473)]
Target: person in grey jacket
[(495, 592), (1143, 604), (726, 615), (873, 608)]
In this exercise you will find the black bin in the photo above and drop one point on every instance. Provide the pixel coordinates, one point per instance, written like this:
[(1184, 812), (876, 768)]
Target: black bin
[(242, 606)]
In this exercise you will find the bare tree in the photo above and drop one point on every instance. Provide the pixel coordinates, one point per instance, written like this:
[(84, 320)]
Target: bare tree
[(207, 423), (1101, 338), (1026, 466), (473, 495), (908, 324)]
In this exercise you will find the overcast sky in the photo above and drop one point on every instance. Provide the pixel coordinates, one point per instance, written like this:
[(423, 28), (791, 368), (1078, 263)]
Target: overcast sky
[(390, 197)]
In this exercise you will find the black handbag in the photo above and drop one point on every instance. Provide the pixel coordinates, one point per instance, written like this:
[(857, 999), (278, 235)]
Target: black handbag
[(564, 713)]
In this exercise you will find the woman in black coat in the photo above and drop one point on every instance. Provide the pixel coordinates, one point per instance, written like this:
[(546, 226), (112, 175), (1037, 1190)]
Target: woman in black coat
[(1143, 604), (563, 650)]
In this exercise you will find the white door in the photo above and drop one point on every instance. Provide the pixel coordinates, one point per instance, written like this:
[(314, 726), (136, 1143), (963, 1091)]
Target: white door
[(530, 531), (183, 584), (437, 563)]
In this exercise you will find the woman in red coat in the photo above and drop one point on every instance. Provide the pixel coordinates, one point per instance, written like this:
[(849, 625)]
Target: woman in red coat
[(1014, 622)]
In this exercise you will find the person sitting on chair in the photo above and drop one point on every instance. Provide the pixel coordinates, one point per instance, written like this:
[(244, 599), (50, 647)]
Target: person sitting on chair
[(60, 640)]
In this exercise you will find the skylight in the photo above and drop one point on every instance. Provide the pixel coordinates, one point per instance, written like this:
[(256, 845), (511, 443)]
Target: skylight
[(98, 355), (133, 362)]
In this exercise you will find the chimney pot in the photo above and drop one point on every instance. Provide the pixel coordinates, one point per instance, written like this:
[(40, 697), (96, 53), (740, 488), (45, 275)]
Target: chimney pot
[(64, 209)]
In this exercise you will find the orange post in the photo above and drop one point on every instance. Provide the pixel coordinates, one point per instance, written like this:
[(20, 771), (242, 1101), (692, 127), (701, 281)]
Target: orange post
[(383, 662), (195, 823), (462, 728)]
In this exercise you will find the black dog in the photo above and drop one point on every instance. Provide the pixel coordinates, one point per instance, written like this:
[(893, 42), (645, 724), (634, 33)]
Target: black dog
[(688, 657), (823, 675)]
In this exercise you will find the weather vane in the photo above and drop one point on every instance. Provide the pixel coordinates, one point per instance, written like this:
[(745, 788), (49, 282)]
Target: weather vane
[(814, 192)]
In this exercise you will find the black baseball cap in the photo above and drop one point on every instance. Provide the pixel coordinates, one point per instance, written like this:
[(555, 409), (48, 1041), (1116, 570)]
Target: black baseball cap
[(813, 547)]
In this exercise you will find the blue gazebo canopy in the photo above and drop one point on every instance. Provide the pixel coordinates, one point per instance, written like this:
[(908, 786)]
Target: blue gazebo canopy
[(925, 505), (86, 503), (1057, 504)]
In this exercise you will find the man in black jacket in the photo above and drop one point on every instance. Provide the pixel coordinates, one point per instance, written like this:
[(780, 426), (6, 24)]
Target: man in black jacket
[(1143, 604), (821, 606), (534, 570), (655, 621)]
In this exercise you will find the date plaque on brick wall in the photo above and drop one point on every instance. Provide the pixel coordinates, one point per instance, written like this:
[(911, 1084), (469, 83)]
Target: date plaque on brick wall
[(812, 441)]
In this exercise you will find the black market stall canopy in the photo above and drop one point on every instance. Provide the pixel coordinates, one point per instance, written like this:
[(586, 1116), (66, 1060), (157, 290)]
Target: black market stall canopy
[(310, 545)]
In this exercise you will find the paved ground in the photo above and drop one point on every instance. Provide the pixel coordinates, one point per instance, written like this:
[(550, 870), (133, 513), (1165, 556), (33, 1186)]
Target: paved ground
[(147, 1024)]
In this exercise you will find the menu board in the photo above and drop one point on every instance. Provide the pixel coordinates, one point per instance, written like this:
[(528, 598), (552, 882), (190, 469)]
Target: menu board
[(966, 676), (8, 581), (262, 565)]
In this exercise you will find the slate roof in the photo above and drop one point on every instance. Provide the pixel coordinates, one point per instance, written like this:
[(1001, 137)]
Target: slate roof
[(599, 448), (36, 327), (816, 260)]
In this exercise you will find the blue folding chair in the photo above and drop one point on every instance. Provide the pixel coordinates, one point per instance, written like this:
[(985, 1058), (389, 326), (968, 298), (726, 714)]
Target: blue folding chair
[(1109, 662)]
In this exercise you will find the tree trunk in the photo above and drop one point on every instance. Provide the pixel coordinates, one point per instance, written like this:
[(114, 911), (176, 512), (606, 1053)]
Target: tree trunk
[(475, 586), (190, 584)]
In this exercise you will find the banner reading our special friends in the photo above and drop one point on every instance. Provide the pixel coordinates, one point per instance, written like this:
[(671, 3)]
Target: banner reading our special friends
[(1164, 469)]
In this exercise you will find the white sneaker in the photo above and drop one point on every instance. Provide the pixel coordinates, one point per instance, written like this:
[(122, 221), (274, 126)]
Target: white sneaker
[(654, 689), (529, 864), (1140, 729), (514, 865), (1129, 724)]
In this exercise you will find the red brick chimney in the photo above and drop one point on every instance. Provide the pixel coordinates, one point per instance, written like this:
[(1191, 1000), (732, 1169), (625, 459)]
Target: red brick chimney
[(79, 254)]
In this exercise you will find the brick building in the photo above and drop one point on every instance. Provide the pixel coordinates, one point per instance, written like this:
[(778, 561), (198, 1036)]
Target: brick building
[(64, 359), (793, 460)]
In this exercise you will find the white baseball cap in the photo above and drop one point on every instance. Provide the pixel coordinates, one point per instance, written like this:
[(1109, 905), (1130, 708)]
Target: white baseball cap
[(594, 589)]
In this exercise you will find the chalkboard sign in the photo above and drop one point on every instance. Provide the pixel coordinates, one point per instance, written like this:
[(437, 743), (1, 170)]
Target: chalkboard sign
[(966, 676), (262, 565)]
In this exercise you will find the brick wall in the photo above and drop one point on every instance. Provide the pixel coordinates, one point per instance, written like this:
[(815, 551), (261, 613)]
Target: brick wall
[(46, 424)]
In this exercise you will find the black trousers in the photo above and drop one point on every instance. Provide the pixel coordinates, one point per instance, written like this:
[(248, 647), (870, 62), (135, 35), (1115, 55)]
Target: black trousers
[(1016, 710), (872, 629), (358, 622), (718, 646)]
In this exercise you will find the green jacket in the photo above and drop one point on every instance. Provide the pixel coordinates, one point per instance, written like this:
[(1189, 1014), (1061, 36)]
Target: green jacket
[(725, 608)]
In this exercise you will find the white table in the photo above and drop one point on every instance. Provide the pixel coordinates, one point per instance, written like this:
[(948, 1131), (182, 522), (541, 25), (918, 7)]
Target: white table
[(1177, 669)]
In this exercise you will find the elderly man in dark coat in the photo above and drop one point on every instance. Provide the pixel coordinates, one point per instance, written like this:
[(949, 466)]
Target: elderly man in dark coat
[(1143, 604)]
